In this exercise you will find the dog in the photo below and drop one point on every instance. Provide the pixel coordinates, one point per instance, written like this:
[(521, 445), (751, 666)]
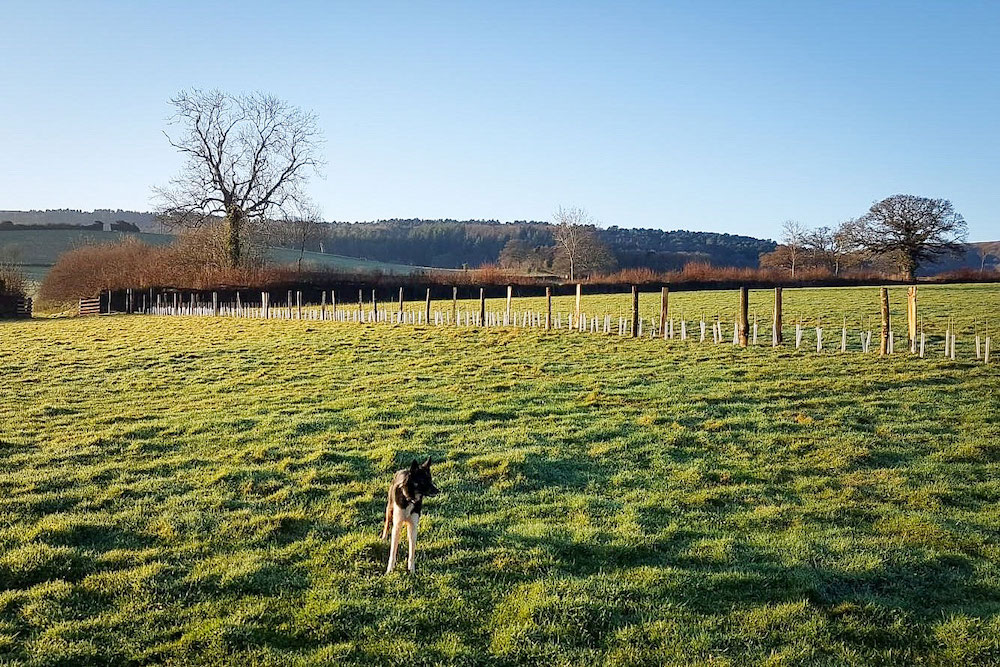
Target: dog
[(406, 500)]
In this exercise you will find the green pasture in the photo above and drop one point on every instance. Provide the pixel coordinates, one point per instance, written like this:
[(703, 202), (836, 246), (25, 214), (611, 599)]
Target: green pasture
[(969, 309), (196, 490)]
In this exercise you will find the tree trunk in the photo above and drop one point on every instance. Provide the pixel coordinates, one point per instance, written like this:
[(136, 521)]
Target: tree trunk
[(234, 225), (909, 269)]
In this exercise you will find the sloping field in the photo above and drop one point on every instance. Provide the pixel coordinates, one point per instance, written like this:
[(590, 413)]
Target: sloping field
[(38, 249), (202, 490)]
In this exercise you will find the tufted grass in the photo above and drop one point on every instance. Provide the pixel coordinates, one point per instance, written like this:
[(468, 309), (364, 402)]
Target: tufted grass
[(966, 308), (197, 490)]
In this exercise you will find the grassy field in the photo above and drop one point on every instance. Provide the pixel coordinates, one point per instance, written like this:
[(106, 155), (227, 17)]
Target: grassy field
[(199, 490), (967, 308), (38, 249)]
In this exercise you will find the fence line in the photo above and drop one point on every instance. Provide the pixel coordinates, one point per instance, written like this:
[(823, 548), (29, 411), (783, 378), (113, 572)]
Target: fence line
[(16, 307), (737, 332)]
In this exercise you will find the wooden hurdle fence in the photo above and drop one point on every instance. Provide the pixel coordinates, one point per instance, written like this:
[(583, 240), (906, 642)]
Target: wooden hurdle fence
[(16, 307), (741, 331), (90, 307)]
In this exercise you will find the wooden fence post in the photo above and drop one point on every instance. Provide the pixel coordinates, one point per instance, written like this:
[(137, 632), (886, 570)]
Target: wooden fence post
[(482, 306), (884, 346), (427, 307), (664, 294), (548, 308), (454, 304), (911, 316), (776, 338), (635, 311), (361, 304), (744, 318), (322, 305), (401, 301), (215, 304)]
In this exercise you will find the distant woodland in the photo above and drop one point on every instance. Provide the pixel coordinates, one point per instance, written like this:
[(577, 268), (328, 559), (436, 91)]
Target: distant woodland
[(529, 245), (526, 245)]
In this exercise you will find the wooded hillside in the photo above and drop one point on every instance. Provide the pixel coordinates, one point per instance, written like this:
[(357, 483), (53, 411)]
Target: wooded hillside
[(454, 243)]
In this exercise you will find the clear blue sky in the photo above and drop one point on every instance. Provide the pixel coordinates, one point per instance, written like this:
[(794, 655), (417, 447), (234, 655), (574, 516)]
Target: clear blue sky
[(711, 116)]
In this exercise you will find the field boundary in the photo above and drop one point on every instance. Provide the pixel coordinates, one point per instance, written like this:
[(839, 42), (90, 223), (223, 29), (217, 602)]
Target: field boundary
[(739, 331)]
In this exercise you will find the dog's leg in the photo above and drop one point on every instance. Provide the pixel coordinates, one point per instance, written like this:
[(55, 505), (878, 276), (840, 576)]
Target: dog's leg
[(397, 524), (388, 519), (411, 531)]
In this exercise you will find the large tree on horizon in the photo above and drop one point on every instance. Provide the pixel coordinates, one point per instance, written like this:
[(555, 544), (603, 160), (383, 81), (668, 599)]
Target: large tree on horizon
[(248, 159), (579, 250), (912, 228)]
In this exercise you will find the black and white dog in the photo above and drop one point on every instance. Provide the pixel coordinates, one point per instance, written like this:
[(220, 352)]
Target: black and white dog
[(406, 500)]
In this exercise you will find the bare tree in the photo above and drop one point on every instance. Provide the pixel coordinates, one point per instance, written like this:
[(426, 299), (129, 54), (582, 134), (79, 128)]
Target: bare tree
[(914, 228), (984, 255), (300, 228), (821, 246), (847, 247), (579, 250), (248, 159), (793, 237)]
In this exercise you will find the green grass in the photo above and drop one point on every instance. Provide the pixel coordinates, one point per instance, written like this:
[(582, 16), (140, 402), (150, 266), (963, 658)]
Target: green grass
[(199, 490), (968, 308), (326, 260)]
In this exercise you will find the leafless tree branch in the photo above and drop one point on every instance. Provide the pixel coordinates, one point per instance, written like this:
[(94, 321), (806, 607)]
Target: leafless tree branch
[(249, 158)]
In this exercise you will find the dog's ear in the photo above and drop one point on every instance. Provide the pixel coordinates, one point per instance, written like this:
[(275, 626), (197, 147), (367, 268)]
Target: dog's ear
[(427, 463), (414, 465)]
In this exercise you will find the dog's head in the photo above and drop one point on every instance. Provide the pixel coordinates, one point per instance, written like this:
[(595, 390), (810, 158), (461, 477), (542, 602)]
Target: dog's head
[(419, 479)]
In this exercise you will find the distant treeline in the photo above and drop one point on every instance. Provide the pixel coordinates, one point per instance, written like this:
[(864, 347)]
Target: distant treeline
[(447, 243), (97, 225), (66, 218), (472, 243)]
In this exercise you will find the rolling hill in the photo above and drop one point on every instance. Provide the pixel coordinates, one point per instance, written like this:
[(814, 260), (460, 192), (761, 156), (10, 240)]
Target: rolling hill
[(36, 251), (460, 243)]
